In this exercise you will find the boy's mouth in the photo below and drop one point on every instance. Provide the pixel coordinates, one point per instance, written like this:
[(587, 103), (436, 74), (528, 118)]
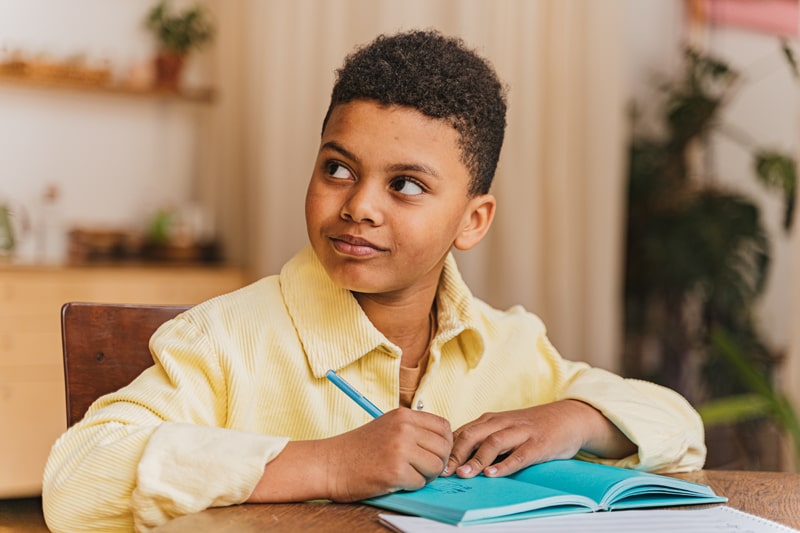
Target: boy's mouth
[(352, 245)]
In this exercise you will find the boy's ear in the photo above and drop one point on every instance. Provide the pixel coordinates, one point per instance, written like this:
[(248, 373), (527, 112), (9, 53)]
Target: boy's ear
[(480, 213)]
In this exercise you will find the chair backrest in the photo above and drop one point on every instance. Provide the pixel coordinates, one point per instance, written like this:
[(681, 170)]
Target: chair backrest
[(105, 348)]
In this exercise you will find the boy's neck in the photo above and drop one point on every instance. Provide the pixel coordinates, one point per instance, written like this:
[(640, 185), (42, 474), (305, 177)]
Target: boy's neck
[(408, 324)]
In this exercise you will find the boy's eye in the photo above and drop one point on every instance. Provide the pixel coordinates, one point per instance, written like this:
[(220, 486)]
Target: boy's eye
[(335, 170), (406, 186)]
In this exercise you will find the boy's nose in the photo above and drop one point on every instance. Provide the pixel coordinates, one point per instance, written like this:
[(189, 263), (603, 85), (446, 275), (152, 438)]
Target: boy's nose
[(363, 206)]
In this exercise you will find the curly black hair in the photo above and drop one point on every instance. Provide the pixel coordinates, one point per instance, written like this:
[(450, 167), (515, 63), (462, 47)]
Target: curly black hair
[(440, 77)]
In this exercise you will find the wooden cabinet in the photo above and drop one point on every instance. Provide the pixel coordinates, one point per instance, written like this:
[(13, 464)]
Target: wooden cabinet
[(32, 405)]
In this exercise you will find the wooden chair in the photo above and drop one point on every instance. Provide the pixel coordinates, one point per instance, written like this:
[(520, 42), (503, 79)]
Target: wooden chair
[(105, 348)]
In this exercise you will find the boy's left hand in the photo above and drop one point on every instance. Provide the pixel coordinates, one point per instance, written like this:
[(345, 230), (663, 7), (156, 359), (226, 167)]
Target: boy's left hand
[(555, 430)]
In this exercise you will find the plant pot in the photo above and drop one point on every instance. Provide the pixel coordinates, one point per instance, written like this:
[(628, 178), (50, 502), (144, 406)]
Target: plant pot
[(169, 67)]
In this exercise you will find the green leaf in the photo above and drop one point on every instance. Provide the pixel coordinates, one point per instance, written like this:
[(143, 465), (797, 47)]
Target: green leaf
[(734, 409), (779, 406), (777, 170), (789, 54), (179, 31)]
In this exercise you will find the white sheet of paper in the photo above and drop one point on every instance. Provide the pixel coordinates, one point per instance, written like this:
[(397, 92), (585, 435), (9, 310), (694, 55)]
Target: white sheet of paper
[(707, 520)]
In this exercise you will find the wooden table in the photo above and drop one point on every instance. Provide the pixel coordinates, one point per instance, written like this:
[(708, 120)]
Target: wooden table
[(773, 495)]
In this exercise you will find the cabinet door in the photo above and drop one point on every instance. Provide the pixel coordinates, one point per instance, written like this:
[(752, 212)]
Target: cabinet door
[(32, 404)]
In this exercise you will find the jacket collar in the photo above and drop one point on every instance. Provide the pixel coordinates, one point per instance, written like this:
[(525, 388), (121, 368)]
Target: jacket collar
[(335, 332)]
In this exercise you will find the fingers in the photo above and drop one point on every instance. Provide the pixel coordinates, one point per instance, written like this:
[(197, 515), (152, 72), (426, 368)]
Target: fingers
[(435, 447), (498, 444), (429, 431), (428, 439), (401, 449), (471, 452), (495, 447)]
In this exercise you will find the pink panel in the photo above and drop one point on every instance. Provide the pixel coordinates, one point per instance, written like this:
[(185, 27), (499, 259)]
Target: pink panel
[(772, 16)]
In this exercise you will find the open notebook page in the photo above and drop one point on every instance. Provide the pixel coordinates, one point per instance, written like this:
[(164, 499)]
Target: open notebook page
[(708, 520)]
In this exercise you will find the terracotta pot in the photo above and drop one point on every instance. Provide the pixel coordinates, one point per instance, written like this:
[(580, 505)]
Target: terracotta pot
[(169, 67)]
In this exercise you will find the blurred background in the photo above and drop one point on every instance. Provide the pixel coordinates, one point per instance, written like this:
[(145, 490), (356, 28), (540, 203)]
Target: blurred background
[(645, 190)]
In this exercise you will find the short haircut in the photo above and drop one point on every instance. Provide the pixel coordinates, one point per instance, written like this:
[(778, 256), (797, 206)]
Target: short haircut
[(440, 77)]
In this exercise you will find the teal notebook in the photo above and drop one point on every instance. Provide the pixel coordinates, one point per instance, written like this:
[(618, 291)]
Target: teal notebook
[(552, 488)]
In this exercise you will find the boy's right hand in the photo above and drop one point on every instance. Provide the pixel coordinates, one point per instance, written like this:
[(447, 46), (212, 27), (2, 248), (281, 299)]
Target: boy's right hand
[(401, 449)]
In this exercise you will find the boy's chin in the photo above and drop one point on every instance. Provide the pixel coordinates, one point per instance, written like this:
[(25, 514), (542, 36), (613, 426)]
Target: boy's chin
[(348, 278), (363, 285), (359, 287)]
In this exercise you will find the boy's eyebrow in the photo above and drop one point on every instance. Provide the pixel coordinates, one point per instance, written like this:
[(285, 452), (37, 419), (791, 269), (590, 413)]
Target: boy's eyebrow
[(336, 147), (399, 167)]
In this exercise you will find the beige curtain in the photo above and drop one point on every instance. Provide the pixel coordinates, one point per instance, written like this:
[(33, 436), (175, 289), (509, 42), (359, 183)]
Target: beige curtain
[(556, 245)]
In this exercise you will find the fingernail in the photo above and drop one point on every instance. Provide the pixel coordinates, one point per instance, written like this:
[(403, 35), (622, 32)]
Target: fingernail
[(492, 470), (465, 469)]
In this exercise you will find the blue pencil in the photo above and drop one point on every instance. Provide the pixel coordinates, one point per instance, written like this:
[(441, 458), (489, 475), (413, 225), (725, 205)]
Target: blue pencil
[(356, 396)]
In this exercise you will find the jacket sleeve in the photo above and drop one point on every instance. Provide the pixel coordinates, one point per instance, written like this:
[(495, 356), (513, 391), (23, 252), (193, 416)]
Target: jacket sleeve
[(666, 429), (157, 448)]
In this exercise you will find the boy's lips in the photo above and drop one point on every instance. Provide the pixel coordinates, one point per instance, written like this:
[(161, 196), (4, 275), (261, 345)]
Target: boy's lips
[(352, 245)]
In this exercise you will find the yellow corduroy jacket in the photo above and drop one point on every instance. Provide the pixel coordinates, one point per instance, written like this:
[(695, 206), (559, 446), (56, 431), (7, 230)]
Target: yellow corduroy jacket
[(238, 376)]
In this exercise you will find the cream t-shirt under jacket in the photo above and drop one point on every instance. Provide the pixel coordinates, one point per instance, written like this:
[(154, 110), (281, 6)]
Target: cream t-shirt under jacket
[(238, 376)]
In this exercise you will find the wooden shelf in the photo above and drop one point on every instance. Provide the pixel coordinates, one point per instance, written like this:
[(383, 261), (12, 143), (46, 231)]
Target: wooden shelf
[(204, 95)]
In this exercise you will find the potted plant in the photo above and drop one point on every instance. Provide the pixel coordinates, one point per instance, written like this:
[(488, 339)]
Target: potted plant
[(697, 259), (177, 34)]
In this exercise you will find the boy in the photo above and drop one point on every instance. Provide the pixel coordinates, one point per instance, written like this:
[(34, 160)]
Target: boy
[(237, 407)]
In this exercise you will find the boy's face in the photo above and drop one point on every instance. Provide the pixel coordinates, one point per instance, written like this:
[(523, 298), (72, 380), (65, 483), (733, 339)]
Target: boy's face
[(388, 198)]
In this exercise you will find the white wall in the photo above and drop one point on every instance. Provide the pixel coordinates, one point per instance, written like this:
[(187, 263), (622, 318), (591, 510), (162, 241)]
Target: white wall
[(115, 159), (654, 30)]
